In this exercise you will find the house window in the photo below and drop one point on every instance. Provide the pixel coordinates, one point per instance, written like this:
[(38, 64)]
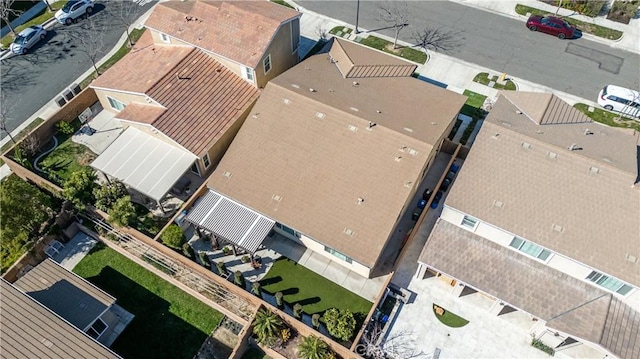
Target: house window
[(97, 328), (288, 230), (205, 160), (248, 73), (610, 283), (337, 254), (195, 169), (267, 64), (529, 248), (115, 104), (295, 35), (469, 222), (165, 38)]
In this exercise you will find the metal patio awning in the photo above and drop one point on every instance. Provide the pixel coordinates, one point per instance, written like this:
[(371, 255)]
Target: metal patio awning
[(144, 162), (230, 220)]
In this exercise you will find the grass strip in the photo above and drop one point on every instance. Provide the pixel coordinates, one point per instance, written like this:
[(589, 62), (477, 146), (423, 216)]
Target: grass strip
[(483, 78), (608, 118)]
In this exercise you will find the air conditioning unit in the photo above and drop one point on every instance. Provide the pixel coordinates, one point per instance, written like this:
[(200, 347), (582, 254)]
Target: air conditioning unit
[(75, 88), (68, 95), (61, 101)]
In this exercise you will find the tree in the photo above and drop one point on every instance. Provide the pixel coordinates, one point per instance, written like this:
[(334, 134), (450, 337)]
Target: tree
[(124, 14), (340, 323), (6, 12), (313, 347), (30, 145), (266, 326), (5, 110), (173, 236), (122, 213), (78, 188), (108, 193), (90, 41), (398, 344), (397, 14), (436, 39)]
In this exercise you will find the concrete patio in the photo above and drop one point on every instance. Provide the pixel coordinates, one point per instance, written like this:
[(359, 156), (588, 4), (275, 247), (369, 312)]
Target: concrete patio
[(74, 250), (107, 128)]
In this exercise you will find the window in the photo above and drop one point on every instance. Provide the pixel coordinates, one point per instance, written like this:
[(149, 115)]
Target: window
[(248, 73), (165, 38), (610, 283), (97, 328), (529, 248), (469, 222), (115, 104), (267, 64), (205, 160), (337, 254), (288, 230)]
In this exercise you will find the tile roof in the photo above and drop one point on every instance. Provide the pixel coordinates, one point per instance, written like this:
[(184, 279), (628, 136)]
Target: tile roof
[(30, 330), (571, 202), (66, 294), (320, 156), (564, 302), (201, 96), (238, 30), (138, 71)]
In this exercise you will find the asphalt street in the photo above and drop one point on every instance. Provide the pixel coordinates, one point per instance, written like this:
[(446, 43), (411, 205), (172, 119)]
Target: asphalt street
[(30, 81), (578, 66)]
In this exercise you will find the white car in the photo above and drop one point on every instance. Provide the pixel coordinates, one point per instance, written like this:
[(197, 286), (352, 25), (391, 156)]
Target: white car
[(620, 99), (27, 38), (72, 10)]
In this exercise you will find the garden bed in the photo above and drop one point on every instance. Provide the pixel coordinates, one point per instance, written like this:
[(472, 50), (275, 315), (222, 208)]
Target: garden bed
[(623, 11), (484, 79), (447, 318)]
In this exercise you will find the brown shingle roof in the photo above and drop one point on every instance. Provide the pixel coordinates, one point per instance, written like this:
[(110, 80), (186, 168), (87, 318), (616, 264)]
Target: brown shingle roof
[(203, 99), (587, 193), (139, 70), (566, 303), (29, 330), (238, 30), (355, 61), (319, 156), (545, 108)]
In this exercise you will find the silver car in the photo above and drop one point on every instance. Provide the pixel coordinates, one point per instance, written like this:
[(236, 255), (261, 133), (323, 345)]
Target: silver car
[(27, 38), (72, 10)]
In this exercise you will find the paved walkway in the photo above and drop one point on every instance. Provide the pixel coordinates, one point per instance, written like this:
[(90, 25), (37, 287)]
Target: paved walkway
[(74, 250)]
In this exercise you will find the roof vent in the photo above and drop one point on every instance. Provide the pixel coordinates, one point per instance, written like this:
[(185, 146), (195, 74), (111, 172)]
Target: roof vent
[(148, 99), (398, 158), (413, 152), (378, 111), (312, 90), (82, 306), (320, 115), (505, 123), (353, 109), (574, 147), (495, 137), (408, 184), (353, 128), (630, 258), (331, 90), (295, 86), (552, 155), (587, 132), (226, 174), (403, 148), (557, 228), (218, 70), (594, 170), (371, 125), (255, 115), (526, 145), (47, 343), (433, 123), (519, 112), (286, 101), (276, 198), (539, 132), (498, 204), (360, 200), (348, 232), (408, 129), (355, 84)]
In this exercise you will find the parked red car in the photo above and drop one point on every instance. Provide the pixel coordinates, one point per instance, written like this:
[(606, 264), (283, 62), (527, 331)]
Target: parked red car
[(551, 25)]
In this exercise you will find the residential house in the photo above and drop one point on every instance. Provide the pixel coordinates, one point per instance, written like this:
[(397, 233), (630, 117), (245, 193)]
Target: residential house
[(543, 218), (74, 299), (31, 330), (187, 86), (330, 156)]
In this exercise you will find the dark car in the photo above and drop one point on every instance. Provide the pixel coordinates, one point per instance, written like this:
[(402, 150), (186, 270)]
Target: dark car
[(436, 199), (551, 25), (426, 194), (450, 175), (445, 185)]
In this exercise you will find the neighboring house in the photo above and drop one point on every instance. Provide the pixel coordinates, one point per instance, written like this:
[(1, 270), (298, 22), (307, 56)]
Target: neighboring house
[(77, 301), (544, 218), (31, 330), (257, 40), (332, 155)]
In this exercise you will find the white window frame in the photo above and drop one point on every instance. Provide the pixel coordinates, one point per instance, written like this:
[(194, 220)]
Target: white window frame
[(165, 38), (339, 255), (523, 242), (469, 219), (113, 101), (106, 326), (267, 60), (206, 161), (247, 73)]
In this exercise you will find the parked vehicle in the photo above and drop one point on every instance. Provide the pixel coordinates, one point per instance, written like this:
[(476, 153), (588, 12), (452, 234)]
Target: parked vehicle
[(454, 168), (551, 25), (416, 213), (450, 175), (422, 203), (436, 199), (620, 99), (445, 185), (27, 38), (74, 9), (426, 194)]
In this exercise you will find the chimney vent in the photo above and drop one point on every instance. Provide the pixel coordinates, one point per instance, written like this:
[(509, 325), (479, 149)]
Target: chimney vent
[(371, 125), (356, 84), (360, 200), (587, 132)]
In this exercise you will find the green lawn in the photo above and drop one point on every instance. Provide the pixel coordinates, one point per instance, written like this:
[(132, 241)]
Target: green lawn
[(585, 27), (474, 99), (168, 323), (315, 293), (612, 119), (67, 158), (450, 319), (404, 52)]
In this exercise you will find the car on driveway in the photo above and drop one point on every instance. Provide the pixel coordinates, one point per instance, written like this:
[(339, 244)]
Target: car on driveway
[(551, 25), (74, 9), (27, 38)]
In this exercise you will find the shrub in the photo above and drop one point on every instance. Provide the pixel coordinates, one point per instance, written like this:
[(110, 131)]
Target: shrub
[(173, 236), (340, 323), (285, 335), (123, 213), (226, 250), (266, 325), (107, 194), (188, 251), (245, 259), (79, 187), (255, 288), (65, 128), (538, 344), (297, 310), (315, 320), (313, 347), (222, 269), (279, 299), (238, 278), (204, 259)]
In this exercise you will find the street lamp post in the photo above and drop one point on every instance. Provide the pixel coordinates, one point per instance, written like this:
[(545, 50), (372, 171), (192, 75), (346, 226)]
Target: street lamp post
[(357, 16)]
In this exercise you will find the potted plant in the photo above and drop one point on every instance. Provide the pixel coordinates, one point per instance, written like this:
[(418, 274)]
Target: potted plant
[(226, 250), (245, 259), (255, 288), (315, 320), (238, 278), (297, 310), (279, 299), (222, 269)]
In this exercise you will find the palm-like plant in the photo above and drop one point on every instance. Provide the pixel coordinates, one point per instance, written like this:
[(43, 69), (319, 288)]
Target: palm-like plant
[(313, 347), (266, 326)]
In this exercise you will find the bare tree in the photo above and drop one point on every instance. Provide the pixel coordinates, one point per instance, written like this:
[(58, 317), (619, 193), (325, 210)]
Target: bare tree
[(6, 11), (397, 14), (398, 345), (436, 39), (125, 13), (30, 145), (89, 41), (5, 110), (321, 31)]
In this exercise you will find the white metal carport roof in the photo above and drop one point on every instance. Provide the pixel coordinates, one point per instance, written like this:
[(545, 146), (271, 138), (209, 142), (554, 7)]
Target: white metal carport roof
[(144, 163), (230, 220)]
